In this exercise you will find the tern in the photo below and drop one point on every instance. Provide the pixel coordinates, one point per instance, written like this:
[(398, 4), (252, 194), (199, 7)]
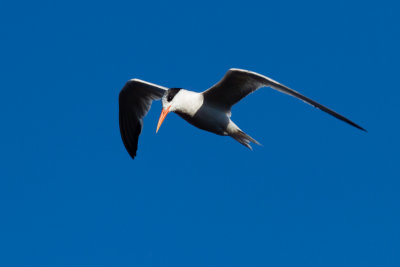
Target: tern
[(209, 110)]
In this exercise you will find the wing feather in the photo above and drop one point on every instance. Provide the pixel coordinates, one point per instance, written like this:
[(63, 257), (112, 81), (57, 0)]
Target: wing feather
[(237, 83), (135, 100)]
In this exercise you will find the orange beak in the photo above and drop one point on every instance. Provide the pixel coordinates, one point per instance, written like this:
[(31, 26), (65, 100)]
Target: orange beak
[(164, 114)]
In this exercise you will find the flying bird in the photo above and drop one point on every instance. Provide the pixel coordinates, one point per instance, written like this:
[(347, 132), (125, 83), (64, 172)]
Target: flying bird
[(209, 110)]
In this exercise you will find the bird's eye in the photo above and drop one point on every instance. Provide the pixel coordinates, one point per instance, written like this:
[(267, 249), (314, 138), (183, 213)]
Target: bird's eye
[(172, 93)]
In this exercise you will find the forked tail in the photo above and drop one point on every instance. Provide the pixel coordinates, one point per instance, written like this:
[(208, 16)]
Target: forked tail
[(244, 139)]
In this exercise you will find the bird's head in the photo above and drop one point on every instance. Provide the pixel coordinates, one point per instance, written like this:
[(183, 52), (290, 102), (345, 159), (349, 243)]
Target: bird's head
[(169, 104)]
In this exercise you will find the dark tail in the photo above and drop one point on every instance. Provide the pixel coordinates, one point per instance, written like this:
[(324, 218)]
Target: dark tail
[(244, 139)]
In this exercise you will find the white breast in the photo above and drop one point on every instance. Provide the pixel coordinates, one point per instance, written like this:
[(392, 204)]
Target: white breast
[(188, 102), (191, 107)]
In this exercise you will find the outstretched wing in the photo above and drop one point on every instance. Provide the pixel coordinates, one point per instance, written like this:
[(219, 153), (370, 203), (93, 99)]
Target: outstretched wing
[(237, 83), (135, 100)]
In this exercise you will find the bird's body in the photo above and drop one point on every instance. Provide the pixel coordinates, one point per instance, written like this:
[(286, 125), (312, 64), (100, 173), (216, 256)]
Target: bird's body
[(205, 115), (209, 110), (201, 114)]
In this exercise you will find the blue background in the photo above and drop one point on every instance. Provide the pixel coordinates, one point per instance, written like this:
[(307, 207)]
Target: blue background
[(318, 193)]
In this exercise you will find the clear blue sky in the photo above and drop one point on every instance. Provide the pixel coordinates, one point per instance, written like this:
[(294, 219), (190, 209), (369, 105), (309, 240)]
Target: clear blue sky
[(318, 193)]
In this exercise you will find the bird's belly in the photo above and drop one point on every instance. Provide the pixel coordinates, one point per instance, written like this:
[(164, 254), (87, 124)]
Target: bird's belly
[(209, 120)]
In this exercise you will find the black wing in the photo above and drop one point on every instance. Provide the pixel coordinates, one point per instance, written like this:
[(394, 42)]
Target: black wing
[(237, 83), (135, 101)]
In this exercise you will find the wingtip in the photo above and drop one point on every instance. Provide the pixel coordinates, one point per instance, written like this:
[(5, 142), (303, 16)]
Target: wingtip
[(360, 128), (131, 153), (133, 156)]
